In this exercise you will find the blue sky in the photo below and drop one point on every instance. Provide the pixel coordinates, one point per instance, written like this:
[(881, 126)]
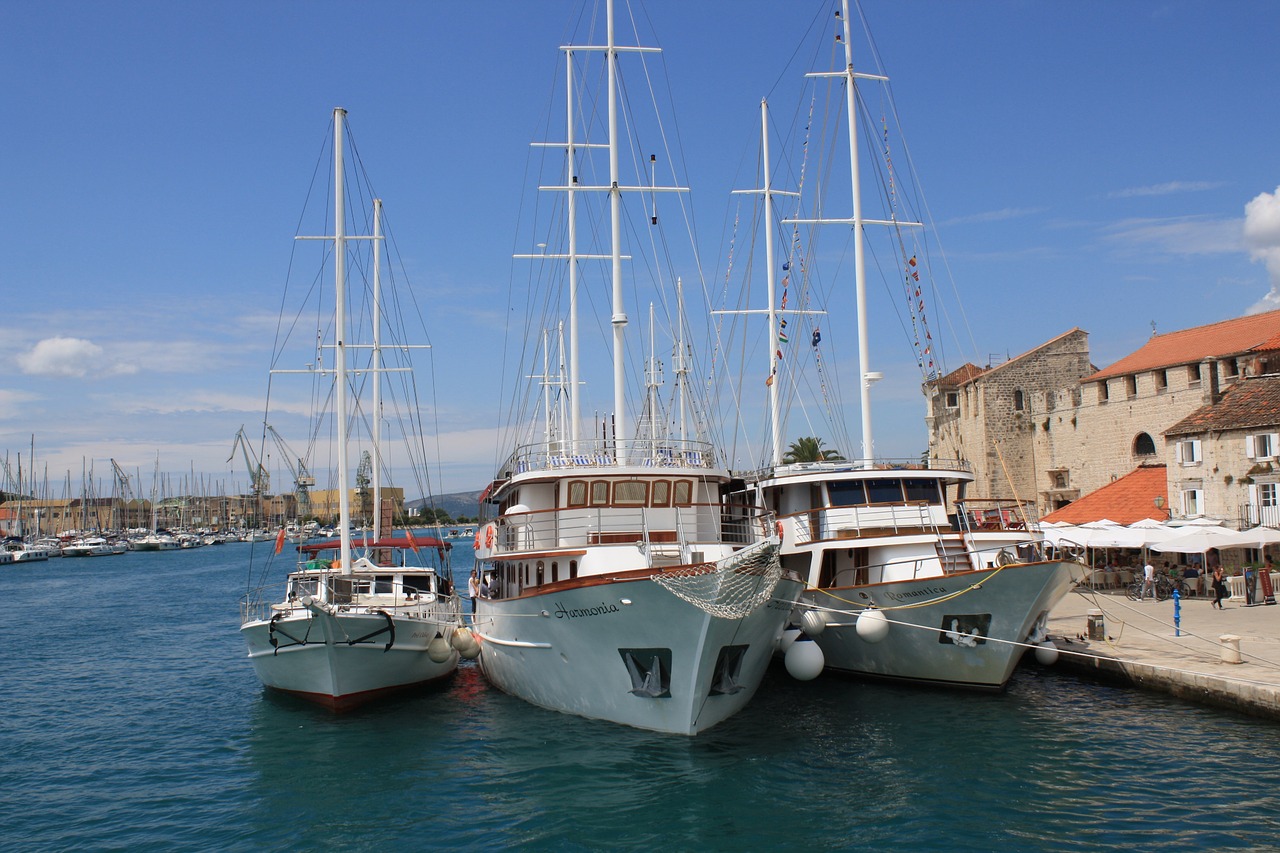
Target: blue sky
[(1088, 164)]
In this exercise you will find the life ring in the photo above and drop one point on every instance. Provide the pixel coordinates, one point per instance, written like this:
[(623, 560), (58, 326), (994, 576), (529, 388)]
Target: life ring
[(777, 526), (488, 536)]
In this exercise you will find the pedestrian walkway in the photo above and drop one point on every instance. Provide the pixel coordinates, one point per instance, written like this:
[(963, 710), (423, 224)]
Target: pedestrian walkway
[(1143, 647)]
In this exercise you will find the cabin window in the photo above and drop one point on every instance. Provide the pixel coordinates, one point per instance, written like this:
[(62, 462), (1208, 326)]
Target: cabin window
[(847, 493), (305, 586), (884, 491), (683, 493), (577, 493), (555, 571), (541, 568), (573, 569), (631, 493), (416, 584), (384, 584), (600, 493), (923, 491), (661, 493)]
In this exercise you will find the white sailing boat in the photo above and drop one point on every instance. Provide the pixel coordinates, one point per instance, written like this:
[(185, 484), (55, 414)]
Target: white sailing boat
[(900, 585), (376, 618), (622, 584)]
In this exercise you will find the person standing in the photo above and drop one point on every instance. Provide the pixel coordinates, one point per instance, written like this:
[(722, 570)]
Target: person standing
[(473, 589), (1219, 587), (1148, 581)]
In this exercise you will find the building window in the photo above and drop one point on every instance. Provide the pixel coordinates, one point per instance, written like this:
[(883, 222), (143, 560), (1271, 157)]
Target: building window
[(1262, 446), (1192, 502), (953, 400), (1144, 445), (1162, 380), (1131, 385), (1188, 452), (1232, 367), (1193, 375), (1019, 401), (1268, 494), (1104, 393), (1061, 479)]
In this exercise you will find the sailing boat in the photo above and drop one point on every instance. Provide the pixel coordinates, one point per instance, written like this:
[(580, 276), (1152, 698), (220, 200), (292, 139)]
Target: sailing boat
[(375, 618), (900, 585), (622, 584)]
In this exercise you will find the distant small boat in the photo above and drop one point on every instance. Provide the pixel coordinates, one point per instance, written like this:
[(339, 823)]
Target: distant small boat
[(90, 546)]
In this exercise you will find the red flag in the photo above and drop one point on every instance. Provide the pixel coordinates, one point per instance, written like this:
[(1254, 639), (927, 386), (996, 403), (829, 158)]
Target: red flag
[(280, 541), (413, 545)]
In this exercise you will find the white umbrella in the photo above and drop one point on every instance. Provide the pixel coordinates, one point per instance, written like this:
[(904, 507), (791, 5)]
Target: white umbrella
[(1259, 537), (1200, 540)]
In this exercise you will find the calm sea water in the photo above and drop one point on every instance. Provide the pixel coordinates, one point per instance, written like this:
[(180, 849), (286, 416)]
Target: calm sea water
[(131, 720)]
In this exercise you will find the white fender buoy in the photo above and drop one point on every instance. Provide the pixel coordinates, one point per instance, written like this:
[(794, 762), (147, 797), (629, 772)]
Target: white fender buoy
[(804, 660), (1047, 653), (873, 626), (439, 649), (462, 638), (814, 622), (788, 637), (470, 652)]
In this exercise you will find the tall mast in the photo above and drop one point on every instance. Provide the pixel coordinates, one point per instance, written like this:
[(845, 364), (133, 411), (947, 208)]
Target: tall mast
[(619, 320), (859, 254), (775, 429), (575, 427), (865, 375), (680, 359), (377, 369), (340, 331)]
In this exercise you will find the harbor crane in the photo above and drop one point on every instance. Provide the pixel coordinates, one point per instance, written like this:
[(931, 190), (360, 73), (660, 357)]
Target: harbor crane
[(302, 479), (259, 477)]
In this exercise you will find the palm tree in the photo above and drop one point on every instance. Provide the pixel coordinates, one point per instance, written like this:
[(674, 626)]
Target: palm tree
[(809, 449)]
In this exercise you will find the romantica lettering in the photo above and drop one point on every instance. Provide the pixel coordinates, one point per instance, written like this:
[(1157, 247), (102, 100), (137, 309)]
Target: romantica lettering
[(562, 612), (917, 593)]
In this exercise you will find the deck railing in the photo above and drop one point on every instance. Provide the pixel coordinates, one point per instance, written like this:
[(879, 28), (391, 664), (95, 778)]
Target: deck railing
[(663, 527), (600, 453)]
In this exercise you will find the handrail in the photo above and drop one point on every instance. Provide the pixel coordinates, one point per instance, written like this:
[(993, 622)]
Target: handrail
[(590, 454), (877, 466)]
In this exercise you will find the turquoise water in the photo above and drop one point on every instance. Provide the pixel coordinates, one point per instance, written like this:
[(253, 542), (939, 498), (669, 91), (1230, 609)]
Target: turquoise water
[(131, 720)]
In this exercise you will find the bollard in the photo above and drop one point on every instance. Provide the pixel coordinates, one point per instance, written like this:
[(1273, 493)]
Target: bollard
[(1097, 627), (1177, 614), (1230, 648)]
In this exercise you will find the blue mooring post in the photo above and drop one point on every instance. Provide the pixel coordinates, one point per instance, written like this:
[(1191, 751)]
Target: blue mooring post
[(1177, 614)]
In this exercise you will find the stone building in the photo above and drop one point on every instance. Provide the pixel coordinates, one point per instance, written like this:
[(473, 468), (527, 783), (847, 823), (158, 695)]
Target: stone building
[(1046, 425)]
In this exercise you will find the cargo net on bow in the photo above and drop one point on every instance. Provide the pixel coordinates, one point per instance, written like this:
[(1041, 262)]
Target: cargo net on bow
[(730, 588)]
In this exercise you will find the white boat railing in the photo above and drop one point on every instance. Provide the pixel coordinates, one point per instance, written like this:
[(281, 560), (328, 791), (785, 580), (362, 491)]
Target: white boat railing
[(674, 527), (851, 465), (853, 522), (600, 453)]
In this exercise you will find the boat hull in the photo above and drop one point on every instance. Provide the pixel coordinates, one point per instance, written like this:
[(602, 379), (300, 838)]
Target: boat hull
[(577, 650), (961, 630), (313, 658)]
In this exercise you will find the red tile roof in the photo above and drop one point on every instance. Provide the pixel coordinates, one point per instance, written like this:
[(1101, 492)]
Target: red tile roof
[(1269, 345), (1130, 498), (1250, 402), (1230, 337), (960, 375)]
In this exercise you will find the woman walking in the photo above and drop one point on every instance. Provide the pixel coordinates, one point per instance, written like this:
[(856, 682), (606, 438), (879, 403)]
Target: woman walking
[(1219, 587)]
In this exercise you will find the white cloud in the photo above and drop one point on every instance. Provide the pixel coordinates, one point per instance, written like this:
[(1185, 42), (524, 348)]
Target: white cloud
[(1262, 237), (1165, 189), (996, 215), (1180, 236), (61, 356)]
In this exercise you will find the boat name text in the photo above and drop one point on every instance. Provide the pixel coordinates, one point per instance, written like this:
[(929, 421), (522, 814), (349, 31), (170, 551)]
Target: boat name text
[(916, 593), (562, 612)]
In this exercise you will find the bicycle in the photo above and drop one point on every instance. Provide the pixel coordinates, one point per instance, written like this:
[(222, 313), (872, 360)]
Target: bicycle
[(1163, 589)]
